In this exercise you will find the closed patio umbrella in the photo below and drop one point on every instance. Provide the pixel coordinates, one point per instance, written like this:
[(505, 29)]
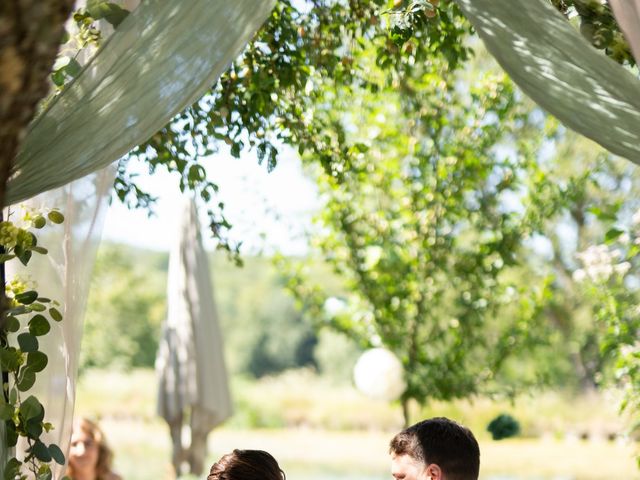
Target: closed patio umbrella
[(193, 392)]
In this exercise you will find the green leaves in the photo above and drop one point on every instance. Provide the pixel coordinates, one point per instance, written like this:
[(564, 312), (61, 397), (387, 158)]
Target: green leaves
[(6, 411), (111, 12), (23, 254), (27, 342), (10, 359), (39, 222), (612, 235), (27, 298), (414, 218), (37, 361), (55, 314), (44, 473), (56, 454), (64, 69), (58, 78), (12, 468), (41, 451), (39, 325), (12, 440), (267, 98), (26, 379), (12, 324), (25, 417), (31, 408), (55, 216)]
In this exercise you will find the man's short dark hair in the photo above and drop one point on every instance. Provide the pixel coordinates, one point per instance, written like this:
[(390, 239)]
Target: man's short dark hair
[(441, 441)]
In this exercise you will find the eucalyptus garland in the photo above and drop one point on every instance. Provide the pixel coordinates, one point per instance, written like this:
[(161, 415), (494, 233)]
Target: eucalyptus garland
[(27, 316)]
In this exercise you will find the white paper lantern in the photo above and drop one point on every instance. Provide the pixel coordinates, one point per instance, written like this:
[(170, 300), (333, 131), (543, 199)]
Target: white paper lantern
[(379, 375)]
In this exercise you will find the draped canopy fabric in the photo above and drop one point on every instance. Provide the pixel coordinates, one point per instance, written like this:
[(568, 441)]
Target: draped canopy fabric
[(162, 57), (555, 66)]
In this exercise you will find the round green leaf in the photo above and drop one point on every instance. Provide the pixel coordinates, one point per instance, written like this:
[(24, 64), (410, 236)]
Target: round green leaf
[(37, 307), (12, 437), (12, 468), (13, 324), (10, 359), (26, 379), (58, 78), (23, 255), (55, 314), (26, 298), (73, 68), (6, 411), (41, 451), (37, 361), (39, 325), (56, 454), (34, 428), (30, 408), (55, 216), (39, 221), (27, 342)]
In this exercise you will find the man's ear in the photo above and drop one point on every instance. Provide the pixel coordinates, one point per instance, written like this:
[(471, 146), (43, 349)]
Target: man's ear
[(434, 472)]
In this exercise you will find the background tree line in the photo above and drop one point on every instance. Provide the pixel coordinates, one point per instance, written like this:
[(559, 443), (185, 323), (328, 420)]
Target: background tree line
[(263, 331)]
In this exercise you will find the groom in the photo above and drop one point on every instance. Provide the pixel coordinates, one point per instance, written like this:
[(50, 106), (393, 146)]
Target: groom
[(435, 449)]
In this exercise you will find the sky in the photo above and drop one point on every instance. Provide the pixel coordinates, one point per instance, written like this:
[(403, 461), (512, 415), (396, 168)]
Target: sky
[(269, 211)]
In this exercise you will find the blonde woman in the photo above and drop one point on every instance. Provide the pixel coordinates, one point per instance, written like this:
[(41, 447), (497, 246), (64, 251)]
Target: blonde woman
[(89, 454)]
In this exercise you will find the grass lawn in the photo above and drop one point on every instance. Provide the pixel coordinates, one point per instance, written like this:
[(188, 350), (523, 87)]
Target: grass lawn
[(306, 450), (142, 452)]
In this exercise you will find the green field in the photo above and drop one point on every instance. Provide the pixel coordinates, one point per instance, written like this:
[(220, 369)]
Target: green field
[(325, 432)]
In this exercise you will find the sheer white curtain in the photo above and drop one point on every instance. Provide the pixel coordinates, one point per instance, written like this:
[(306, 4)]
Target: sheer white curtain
[(64, 275)]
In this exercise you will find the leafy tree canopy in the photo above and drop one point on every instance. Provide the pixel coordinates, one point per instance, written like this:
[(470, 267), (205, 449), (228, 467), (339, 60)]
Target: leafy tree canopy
[(427, 224), (263, 101)]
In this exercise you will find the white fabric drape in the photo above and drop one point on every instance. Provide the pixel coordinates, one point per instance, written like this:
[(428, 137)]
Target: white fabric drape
[(555, 66), (193, 388), (63, 275), (162, 57)]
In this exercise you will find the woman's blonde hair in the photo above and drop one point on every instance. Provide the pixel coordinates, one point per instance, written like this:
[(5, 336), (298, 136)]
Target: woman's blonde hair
[(105, 454)]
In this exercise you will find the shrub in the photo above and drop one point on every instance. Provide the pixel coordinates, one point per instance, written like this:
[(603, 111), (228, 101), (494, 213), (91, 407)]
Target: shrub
[(503, 426)]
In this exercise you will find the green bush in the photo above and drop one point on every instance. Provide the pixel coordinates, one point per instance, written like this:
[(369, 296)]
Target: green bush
[(503, 426)]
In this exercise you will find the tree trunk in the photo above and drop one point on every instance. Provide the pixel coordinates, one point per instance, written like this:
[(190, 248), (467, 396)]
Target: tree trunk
[(30, 35), (405, 411)]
